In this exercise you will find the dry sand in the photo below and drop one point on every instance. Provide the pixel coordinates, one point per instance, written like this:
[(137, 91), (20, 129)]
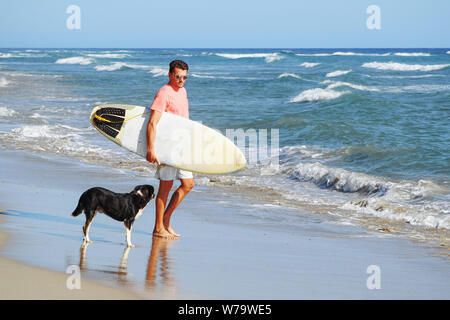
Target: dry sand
[(22, 282)]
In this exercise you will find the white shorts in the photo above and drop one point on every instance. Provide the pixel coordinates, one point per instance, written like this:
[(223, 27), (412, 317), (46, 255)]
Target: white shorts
[(167, 173)]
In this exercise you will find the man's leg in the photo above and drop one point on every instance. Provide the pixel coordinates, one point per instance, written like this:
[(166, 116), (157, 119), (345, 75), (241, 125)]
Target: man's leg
[(160, 204), (177, 197)]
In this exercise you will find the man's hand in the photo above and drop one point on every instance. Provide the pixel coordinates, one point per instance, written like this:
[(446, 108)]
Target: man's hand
[(152, 158)]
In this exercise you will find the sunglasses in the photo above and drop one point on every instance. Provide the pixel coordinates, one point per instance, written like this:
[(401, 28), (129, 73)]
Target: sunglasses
[(180, 77)]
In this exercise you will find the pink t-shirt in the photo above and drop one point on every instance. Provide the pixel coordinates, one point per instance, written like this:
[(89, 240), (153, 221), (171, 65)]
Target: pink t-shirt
[(169, 100)]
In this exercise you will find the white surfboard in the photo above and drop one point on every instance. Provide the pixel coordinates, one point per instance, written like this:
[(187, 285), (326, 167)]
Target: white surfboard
[(180, 142)]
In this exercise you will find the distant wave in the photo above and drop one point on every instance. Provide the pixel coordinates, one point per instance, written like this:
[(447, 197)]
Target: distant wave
[(7, 55), (108, 55), (309, 64), (337, 73), (119, 66), (269, 57), (22, 55), (158, 72), (395, 66), (406, 77), (209, 76), (421, 88), (339, 53), (338, 84), (75, 60), (412, 54), (317, 94), (285, 75)]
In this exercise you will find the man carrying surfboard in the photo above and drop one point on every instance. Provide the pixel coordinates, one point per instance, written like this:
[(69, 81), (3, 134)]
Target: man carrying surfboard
[(172, 98)]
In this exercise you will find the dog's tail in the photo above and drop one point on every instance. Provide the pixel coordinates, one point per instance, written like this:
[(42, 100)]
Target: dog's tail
[(78, 209)]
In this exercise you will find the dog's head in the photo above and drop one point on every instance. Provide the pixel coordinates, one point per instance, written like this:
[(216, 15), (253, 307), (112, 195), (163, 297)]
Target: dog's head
[(145, 193)]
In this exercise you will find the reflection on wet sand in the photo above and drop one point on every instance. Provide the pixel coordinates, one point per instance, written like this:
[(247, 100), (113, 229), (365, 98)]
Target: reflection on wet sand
[(157, 279), (159, 252), (121, 269)]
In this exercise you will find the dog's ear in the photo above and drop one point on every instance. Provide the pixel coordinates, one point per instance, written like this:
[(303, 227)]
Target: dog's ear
[(151, 192)]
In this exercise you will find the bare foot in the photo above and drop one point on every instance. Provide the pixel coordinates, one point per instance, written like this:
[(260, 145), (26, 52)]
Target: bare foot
[(164, 234), (171, 231)]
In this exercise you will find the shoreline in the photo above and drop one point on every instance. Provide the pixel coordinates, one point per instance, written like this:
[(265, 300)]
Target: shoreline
[(21, 281), (248, 249)]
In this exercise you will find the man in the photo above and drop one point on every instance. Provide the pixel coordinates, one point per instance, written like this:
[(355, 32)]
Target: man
[(172, 98)]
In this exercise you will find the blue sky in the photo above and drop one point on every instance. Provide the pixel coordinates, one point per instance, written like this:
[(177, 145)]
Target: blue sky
[(225, 24)]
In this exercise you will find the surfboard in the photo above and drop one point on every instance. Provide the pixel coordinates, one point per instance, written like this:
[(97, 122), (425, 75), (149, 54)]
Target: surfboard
[(179, 142)]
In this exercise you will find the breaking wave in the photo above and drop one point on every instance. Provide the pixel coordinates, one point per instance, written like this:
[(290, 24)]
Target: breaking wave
[(395, 66)]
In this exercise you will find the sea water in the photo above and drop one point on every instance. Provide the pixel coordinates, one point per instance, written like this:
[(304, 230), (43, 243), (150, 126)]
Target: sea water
[(363, 134)]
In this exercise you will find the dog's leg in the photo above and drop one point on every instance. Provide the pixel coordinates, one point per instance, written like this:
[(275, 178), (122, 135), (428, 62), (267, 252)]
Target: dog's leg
[(89, 217), (128, 227)]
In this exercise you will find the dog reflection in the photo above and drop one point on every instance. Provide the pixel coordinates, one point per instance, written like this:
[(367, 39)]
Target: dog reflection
[(158, 253), (121, 269)]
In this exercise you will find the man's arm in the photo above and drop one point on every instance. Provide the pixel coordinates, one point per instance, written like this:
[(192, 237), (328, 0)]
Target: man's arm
[(151, 134)]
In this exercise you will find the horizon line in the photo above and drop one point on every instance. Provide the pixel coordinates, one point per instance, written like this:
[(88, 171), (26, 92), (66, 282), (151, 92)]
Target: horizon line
[(245, 48)]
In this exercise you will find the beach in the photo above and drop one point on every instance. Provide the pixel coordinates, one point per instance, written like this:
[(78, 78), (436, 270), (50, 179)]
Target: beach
[(230, 247), (346, 192)]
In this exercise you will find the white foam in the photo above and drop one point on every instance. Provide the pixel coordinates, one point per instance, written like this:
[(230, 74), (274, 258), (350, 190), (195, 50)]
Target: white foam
[(7, 55), (339, 179), (19, 54), (317, 94), (208, 76), (273, 58), (75, 60), (340, 53), (47, 131), (424, 88), (294, 154), (119, 66), (108, 55), (337, 73), (412, 54), (395, 66), (4, 82), (309, 64), (5, 112), (338, 84), (269, 57), (406, 77), (313, 54), (158, 72), (292, 75), (397, 205)]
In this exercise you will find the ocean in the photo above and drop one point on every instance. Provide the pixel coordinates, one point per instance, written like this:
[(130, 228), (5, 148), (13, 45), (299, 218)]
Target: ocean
[(363, 134)]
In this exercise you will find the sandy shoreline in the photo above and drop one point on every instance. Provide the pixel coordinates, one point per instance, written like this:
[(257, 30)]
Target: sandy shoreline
[(230, 248), (22, 282)]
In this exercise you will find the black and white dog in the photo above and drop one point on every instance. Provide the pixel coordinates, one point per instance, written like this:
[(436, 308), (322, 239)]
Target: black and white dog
[(125, 207)]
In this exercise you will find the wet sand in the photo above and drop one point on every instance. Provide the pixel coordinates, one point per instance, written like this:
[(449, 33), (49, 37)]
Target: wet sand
[(230, 247)]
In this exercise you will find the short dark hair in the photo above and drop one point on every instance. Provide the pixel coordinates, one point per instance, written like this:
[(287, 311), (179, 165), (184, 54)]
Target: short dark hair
[(178, 64)]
